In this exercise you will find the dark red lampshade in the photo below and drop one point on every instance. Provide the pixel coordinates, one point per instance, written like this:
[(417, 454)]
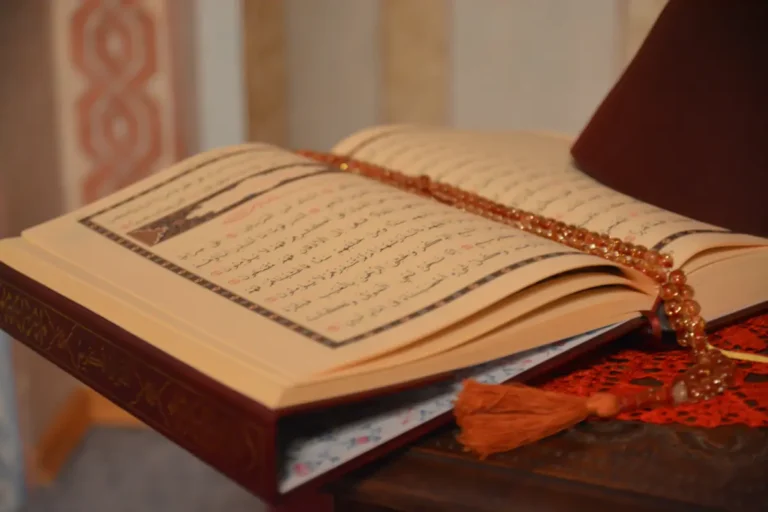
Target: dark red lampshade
[(686, 126)]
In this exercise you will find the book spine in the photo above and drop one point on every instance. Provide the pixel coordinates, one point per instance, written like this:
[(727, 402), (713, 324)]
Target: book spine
[(187, 407)]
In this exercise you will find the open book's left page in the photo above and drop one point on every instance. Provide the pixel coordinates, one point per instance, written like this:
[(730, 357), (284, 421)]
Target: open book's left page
[(274, 268)]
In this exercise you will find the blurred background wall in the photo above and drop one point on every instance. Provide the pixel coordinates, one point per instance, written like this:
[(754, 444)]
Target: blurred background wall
[(96, 94), (318, 70)]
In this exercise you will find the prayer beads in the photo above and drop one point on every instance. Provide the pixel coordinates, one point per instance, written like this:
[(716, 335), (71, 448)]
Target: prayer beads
[(712, 371)]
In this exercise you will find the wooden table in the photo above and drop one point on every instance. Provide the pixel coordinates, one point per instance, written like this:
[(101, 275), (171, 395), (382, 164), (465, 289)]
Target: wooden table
[(609, 465)]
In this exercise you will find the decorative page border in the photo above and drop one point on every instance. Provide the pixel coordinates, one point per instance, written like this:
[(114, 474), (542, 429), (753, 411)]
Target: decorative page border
[(331, 343), (285, 322), (179, 222)]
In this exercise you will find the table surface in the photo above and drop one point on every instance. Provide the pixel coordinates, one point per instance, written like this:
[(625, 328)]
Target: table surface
[(596, 465)]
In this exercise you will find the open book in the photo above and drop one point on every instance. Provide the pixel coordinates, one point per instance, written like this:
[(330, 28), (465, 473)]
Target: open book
[(295, 284)]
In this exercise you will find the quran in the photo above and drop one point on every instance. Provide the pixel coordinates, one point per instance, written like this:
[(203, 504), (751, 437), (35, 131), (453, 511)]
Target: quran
[(285, 320)]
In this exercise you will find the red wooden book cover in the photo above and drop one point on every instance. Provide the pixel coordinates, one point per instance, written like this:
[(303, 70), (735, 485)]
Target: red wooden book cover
[(230, 432)]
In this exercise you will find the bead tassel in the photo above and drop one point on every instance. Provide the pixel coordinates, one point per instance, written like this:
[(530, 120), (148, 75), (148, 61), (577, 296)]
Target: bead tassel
[(496, 418)]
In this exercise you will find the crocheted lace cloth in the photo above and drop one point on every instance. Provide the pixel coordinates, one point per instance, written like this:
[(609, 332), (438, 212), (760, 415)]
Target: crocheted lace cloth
[(745, 403)]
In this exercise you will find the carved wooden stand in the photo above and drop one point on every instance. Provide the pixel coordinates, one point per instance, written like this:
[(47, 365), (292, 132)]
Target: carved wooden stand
[(317, 502)]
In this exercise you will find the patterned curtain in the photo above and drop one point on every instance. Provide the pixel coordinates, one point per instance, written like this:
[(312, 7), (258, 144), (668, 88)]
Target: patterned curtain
[(117, 82), (96, 99)]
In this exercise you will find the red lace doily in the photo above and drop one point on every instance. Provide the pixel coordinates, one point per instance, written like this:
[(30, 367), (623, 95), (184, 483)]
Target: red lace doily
[(745, 403)]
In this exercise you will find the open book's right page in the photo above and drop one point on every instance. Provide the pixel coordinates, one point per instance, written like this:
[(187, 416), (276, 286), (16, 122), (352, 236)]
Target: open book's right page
[(535, 172)]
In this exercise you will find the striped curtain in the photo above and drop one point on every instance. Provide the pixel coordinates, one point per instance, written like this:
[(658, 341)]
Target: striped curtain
[(316, 71)]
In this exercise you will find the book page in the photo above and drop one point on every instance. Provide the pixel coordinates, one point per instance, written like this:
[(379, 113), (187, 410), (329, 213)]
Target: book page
[(535, 173), (322, 442), (297, 267)]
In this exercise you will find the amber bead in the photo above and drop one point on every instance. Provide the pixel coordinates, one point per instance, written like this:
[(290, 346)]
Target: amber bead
[(659, 275), (677, 277), (686, 292), (690, 307), (673, 307), (527, 220), (626, 249), (652, 257), (666, 260), (677, 323), (669, 291), (694, 324)]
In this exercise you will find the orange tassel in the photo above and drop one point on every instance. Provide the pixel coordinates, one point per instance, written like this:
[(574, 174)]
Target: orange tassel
[(500, 417)]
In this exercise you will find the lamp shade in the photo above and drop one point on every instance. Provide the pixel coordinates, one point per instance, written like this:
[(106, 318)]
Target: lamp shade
[(686, 126)]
